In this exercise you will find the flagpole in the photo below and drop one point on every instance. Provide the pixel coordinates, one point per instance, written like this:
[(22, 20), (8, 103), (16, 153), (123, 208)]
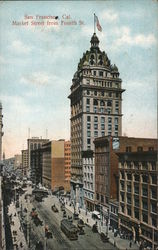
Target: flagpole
[(94, 24)]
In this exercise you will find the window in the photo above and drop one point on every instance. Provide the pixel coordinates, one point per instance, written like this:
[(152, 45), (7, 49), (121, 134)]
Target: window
[(88, 133), (100, 73), (154, 223), (95, 93), (88, 126), (102, 126), (145, 192), (109, 127), (145, 218), (102, 93), (128, 199), (154, 179), (102, 119), (88, 92), (117, 95), (136, 202), (95, 102), (87, 108), (136, 189), (96, 126), (102, 133), (110, 94), (102, 103), (95, 133), (95, 109), (129, 211), (151, 149), (88, 118), (128, 149), (145, 205), (88, 141), (109, 103), (116, 120), (139, 149), (102, 198), (109, 119), (88, 101), (94, 73), (136, 214), (95, 118), (116, 104), (97, 196), (116, 127)]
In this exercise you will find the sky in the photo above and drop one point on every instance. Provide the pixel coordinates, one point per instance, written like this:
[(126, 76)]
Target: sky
[(37, 64)]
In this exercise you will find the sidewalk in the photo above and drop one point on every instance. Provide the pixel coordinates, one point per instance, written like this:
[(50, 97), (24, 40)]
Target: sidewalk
[(19, 241), (121, 244)]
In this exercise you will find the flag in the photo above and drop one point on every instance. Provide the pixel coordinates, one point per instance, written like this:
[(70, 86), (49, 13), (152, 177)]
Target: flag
[(97, 23)]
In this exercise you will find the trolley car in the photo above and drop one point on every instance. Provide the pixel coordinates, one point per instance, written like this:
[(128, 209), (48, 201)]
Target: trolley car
[(69, 229)]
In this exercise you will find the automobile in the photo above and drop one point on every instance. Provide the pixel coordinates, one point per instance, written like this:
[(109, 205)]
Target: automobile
[(96, 215), (104, 237)]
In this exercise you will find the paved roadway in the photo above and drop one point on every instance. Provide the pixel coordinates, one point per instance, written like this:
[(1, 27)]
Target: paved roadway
[(87, 241)]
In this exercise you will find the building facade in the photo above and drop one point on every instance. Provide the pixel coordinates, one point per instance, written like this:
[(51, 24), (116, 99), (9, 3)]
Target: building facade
[(53, 164), (106, 165), (36, 165), (1, 131), (67, 157), (96, 109), (138, 196), (34, 143), (24, 162), (88, 179)]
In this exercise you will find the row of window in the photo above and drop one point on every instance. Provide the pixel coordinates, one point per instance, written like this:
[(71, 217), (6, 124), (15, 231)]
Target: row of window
[(110, 119), (103, 93), (152, 179), (101, 102)]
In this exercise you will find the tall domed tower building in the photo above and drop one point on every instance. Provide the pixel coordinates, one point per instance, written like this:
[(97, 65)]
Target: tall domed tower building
[(96, 110)]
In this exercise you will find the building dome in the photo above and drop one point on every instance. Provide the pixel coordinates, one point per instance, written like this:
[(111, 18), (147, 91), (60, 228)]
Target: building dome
[(114, 68), (94, 41)]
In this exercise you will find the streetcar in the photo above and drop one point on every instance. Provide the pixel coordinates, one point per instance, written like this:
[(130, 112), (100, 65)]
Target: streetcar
[(69, 229)]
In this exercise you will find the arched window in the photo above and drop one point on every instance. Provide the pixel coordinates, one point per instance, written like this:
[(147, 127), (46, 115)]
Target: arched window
[(102, 103), (100, 60), (95, 102), (109, 103), (92, 59)]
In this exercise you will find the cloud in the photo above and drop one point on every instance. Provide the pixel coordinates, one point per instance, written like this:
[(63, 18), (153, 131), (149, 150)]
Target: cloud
[(125, 37), (109, 15), (20, 47), (37, 78)]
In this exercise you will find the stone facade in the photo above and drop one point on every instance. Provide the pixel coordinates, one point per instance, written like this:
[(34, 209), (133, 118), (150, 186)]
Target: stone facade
[(96, 108), (24, 162), (138, 212)]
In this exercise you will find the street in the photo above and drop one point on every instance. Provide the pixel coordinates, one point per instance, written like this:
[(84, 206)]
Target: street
[(51, 219)]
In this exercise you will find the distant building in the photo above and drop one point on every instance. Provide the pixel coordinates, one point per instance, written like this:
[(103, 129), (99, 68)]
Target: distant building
[(53, 164), (36, 165), (18, 161), (24, 162), (106, 166), (138, 196), (96, 110), (34, 143), (67, 158)]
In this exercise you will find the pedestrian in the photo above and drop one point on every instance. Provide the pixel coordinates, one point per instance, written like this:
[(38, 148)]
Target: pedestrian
[(130, 244)]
